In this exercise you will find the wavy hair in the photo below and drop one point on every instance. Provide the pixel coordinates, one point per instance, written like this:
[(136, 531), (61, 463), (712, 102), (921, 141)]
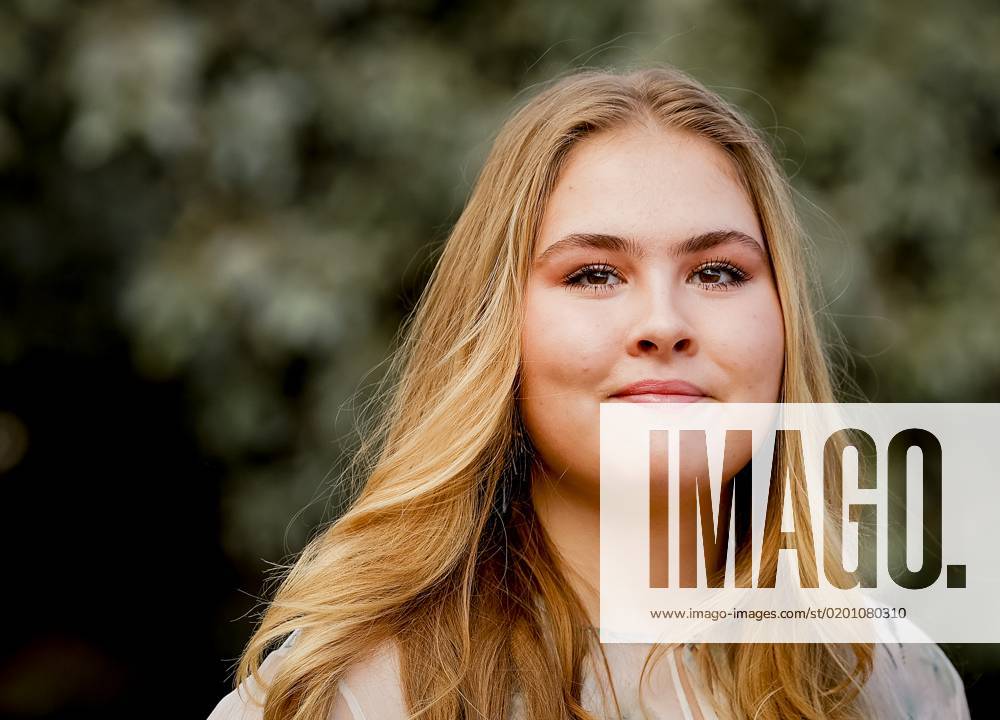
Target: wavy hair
[(471, 590)]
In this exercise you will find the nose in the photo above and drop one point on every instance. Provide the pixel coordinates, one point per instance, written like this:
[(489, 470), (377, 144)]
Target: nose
[(661, 326)]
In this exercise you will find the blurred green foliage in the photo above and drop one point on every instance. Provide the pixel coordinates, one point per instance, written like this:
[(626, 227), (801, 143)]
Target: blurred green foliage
[(258, 186)]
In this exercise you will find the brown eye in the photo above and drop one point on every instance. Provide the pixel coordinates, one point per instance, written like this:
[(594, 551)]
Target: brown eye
[(600, 277), (718, 275), (710, 276), (596, 278)]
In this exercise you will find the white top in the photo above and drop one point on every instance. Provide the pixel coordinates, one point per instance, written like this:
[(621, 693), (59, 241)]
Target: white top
[(911, 681)]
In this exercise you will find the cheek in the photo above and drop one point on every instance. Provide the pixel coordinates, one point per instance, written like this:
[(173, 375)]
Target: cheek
[(566, 358), (748, 342), (564, 347)]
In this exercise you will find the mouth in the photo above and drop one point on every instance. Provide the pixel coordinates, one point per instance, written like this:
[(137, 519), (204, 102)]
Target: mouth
[(658, 397), (660, 391)]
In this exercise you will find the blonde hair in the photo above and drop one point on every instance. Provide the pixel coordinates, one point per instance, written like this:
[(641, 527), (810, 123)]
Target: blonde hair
[(424, 553)]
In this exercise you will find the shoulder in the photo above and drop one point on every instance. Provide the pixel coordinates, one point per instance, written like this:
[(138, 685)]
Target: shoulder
[(912, 677), (247, 701), (370, 690)]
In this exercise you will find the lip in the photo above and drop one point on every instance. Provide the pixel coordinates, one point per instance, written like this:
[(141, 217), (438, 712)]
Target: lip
[(662, 391)]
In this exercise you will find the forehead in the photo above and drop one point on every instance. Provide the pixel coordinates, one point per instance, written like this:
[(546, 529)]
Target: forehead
[(654, 184)]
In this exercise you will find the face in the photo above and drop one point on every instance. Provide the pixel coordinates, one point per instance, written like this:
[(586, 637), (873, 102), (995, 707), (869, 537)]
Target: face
[(650, 282)]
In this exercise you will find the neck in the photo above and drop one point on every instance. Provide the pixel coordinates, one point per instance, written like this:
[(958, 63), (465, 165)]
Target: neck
[(571, 518), (570, 513)]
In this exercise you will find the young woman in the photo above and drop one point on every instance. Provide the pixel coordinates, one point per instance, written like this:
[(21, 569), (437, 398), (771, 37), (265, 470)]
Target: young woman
[(630, 238)]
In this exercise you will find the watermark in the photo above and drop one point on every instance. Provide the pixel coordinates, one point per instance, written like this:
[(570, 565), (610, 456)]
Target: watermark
[(725, 522)]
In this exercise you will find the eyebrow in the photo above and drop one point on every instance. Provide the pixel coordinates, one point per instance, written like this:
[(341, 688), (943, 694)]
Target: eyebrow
[(628, 246)]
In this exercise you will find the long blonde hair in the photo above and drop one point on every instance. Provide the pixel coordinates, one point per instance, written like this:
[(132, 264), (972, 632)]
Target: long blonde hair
[(426, 555)]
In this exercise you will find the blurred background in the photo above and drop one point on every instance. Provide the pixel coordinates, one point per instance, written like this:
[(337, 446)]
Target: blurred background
[(214, 215)]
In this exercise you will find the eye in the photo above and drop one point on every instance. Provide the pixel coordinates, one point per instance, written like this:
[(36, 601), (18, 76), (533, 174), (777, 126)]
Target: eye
[(718, 275), (595, 278)]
